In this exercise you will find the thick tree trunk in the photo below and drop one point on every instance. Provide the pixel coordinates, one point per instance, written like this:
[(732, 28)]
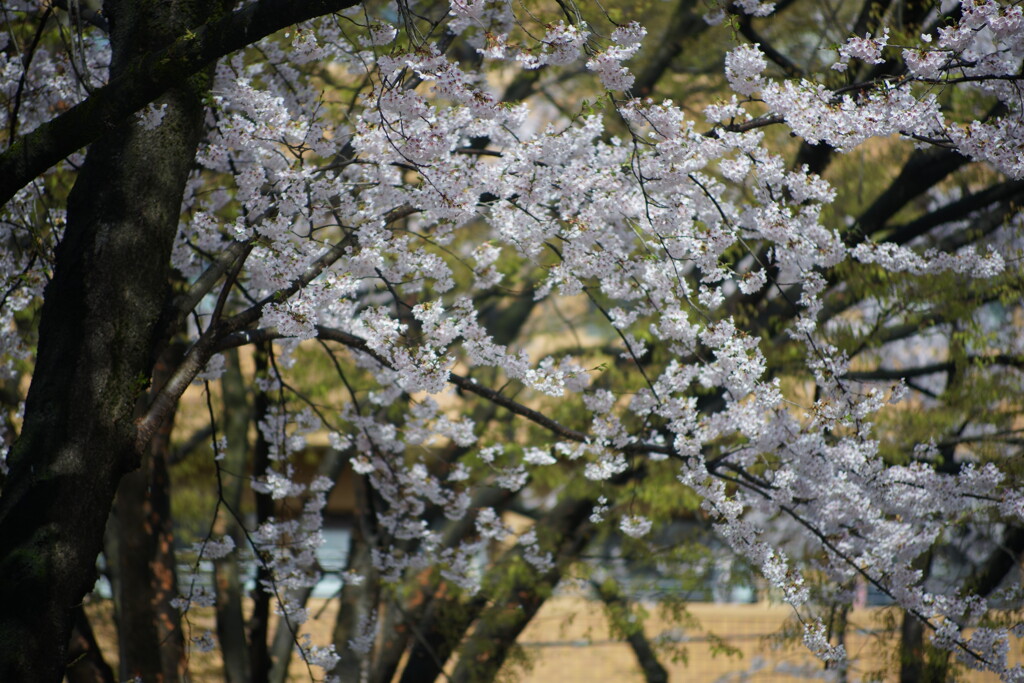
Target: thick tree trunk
[(98, 337), (919, 661)]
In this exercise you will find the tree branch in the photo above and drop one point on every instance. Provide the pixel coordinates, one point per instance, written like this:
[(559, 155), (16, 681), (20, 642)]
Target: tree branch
[(86, 14), (465, 383), (884, 374), (987, 577), (901, 234), (143, 82), (787, 65), (683, 25)]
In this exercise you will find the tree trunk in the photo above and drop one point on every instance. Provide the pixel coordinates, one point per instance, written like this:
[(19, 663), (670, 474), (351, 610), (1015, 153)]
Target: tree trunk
[(840, 624), (85, 660), (149, 628), (228, 573), (439, 617), (646, 657), (98, 337), (488, 645), (283, 643), (331, 466), (358, 603), (919, 661), (259, 623)]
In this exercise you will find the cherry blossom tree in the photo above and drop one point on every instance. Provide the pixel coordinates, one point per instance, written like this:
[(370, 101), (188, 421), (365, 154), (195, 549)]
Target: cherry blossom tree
[(539, 284)]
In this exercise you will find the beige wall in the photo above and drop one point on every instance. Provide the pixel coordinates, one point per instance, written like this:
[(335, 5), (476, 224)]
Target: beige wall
[(586, 655), (568, 642)]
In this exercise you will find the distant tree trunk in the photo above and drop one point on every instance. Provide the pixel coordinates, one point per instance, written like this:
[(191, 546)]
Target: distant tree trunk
[(331, 465), (919, 662), (654, 672), (353, 607), (149, 628), (228, 572), (441, 618), (99, 333), (358, 602), (489, 643), (1004, 557), (283, 644), (442, 624), (85, 660), (259, 623), (840, 623), (914, 661)]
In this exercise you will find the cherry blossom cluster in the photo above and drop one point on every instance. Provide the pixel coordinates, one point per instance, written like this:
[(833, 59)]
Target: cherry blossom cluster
[(980, 51), (644, 224), (383, 225)]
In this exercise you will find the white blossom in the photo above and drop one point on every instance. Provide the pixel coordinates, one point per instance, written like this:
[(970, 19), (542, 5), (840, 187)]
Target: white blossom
[(743, 67), (635, 526)]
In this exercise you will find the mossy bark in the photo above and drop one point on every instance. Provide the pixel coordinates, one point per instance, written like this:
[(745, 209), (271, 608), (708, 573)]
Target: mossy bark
[(99, 334)]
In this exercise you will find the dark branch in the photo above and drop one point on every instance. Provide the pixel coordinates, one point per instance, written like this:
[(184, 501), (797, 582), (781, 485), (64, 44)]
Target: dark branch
[(86, 14), (787, 65), (646, 657), (145, 81), (683, 25), (1004, 558), (884, 374), (924, 169), (243, 337), (901, 234)]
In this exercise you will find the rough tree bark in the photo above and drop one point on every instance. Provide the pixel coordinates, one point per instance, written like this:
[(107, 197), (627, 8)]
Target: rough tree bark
[(98, 338), (161, 66), (100, 327)]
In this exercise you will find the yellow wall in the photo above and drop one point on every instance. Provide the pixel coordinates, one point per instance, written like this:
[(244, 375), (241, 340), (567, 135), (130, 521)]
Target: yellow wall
[(568, 642)]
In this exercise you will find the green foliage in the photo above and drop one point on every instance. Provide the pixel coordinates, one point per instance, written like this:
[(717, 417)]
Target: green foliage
[(721, 647)]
